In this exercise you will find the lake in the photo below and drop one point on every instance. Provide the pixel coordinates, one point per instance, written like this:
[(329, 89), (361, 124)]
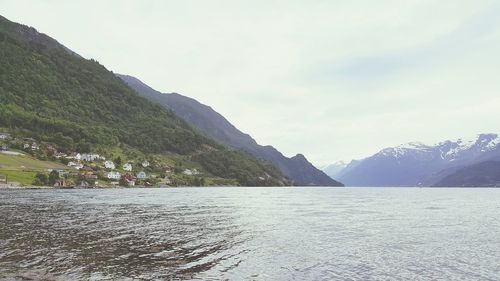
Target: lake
[(299, 233)]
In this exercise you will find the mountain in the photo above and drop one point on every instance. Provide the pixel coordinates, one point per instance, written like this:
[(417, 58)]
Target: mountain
[(333, 170), (50, 93), (339, 168), (483, 174), (417, 164), (39, 41), (221, 130)]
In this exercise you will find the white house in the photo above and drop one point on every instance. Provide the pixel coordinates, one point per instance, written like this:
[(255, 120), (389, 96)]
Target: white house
[(78, 166), (90, 157), (109, 165), (141, 175), (113, 175), (189, 172), (145, 163), (127, 167), (78, 156), (71, 163), (61, 155), (62, 173), (26, 146), (4, 136)]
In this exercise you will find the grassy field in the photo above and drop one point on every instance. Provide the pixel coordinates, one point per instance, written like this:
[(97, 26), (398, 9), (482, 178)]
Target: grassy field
[(19, 176), (22, 168), (26, 162)]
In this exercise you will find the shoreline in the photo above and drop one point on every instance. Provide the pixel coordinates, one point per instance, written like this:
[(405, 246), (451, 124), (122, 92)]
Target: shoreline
[(33, 187)]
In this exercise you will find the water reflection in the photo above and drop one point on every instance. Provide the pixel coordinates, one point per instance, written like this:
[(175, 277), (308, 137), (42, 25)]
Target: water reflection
[(119, 240), (250, 234)]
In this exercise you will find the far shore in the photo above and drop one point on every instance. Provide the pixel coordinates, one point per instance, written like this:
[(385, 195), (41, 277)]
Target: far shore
[(16, 186)]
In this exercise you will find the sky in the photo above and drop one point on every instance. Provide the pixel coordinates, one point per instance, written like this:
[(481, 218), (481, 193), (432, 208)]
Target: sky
[(334, 80)]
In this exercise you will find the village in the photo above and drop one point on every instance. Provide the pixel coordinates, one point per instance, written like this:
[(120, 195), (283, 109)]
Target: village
[(93, 170)]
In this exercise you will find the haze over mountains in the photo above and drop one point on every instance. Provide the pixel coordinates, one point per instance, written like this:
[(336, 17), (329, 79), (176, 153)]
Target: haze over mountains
[(417, 164), (220, 129)]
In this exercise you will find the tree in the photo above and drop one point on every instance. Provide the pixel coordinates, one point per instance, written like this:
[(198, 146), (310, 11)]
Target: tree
[(40, 179), (83, 147), (118, 161), (123, 182), (53, 177)]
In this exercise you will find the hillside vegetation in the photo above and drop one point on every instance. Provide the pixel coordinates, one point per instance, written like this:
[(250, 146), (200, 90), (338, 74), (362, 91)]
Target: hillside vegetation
[(53, 95), (218, 128)]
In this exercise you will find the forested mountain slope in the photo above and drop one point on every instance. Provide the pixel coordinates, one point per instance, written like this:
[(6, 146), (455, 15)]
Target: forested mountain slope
[(221, 130), (50, 93)]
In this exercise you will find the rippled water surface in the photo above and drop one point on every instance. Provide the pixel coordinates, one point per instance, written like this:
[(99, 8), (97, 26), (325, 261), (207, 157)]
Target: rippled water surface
[(251, 234)]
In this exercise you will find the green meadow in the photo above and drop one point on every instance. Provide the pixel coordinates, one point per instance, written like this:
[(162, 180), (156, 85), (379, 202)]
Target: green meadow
[(22, 168)]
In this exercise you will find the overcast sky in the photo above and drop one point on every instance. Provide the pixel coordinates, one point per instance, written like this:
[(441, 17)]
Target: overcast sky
[(330, 79)]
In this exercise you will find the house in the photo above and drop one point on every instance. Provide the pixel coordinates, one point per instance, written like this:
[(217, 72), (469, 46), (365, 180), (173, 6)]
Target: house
[(142, 175), (59, 155), (51, 150), (78, 156), (109, 165), (127, 167), (78, 166), (4, 148), (189, 172), (168, 169), (90, 178), (72, 156), (26, 146), (90, 157), (145, 163), (35, 146), (4, 136), (166, 180), (62, 173), (86, 170), (71, 164), (130, 179), (113, 175)]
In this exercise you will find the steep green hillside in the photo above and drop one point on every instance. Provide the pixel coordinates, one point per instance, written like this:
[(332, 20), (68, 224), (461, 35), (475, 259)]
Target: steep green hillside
[(49, 93), (55, 92)]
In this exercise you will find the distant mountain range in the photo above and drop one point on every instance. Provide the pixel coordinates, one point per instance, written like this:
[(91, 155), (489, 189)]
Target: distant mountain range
[(417, 164), (483, 174), (214, 125)]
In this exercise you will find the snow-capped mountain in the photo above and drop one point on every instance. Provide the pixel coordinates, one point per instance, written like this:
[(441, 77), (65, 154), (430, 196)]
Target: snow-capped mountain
[(416, 164), (333, 170), (339, 168)]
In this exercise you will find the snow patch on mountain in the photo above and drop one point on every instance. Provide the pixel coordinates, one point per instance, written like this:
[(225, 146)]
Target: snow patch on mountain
[(448, 150), (416, 163)]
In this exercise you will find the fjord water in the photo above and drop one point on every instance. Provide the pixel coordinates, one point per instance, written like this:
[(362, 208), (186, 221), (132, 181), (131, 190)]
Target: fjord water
[(251, 234)]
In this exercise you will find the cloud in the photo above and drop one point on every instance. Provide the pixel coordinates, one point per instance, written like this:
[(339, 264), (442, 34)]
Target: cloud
[(330, 79)]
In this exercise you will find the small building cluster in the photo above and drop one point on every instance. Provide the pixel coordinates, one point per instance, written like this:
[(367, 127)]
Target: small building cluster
[(4, 136), (90, 168), (30, 144), (190, 172)]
